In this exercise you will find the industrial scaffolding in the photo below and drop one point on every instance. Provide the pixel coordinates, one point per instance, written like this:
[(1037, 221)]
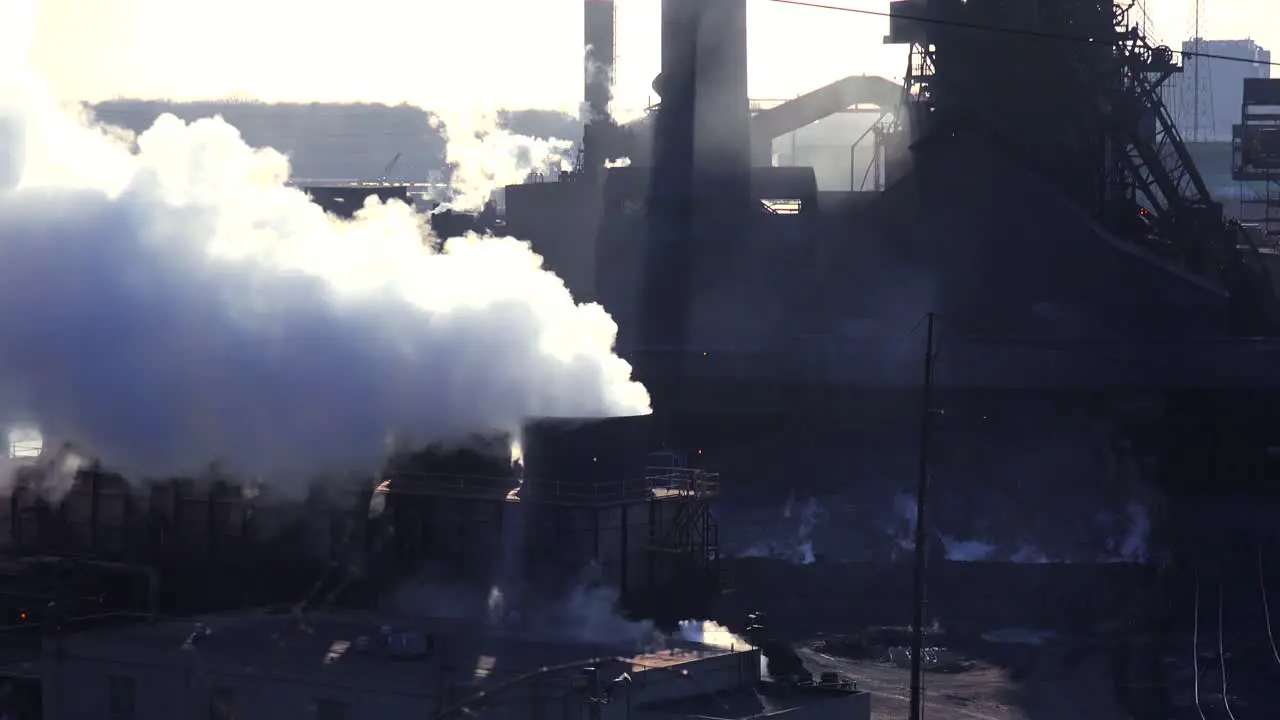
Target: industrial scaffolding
[(1255, 153), (645, 536)]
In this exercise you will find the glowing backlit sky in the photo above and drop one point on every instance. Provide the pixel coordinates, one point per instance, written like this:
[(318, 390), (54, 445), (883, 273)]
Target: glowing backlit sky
[(470, 53)]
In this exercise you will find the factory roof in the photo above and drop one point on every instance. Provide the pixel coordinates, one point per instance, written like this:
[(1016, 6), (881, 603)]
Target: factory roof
[(373, 650)]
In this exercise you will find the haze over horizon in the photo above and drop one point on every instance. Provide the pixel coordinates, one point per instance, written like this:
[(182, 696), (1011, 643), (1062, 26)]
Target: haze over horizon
[(452, 53)]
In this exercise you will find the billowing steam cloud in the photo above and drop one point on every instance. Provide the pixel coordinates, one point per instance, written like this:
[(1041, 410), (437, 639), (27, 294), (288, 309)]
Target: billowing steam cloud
[(170, 302), (485, 157)]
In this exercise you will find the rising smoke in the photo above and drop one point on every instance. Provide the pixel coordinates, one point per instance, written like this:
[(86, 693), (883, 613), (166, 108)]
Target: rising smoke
[(585, 613), (169, 302), (485, 157), (805, 530)]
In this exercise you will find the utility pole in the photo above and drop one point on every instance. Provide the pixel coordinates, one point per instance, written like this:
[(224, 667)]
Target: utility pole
[(921, 544)]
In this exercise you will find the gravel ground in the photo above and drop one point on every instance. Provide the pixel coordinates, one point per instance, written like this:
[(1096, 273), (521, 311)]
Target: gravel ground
[(1054, 687)]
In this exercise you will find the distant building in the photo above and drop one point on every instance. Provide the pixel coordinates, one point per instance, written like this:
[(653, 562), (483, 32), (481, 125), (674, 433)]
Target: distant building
[(346, 666), (1206, 103)]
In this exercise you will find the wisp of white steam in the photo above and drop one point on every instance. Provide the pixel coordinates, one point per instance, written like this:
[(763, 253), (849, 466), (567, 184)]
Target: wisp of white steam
[(169, 301), (486, 157)]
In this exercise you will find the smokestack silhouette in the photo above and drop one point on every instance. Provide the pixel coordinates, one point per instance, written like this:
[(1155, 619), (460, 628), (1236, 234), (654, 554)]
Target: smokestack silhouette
[(599, 18), (722, 122)]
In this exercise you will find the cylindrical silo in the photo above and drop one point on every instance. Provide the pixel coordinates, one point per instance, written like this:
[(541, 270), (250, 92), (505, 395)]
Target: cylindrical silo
[(586, 460)]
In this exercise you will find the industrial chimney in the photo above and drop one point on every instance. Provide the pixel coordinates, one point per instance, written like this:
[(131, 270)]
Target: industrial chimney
[(599, 17), (705, 123), (722, 119)]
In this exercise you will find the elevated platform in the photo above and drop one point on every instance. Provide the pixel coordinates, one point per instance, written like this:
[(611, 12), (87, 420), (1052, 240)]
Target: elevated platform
[(644, 537), (660, 484)]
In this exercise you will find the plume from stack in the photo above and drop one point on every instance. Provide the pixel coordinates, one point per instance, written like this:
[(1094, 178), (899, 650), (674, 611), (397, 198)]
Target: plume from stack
[(484, 157), (599, 18), (171, 302)]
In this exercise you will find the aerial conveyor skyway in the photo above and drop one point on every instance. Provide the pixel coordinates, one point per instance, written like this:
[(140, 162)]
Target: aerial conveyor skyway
[(817, 104)]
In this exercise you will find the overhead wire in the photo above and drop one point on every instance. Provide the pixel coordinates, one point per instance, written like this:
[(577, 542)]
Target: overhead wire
[(1004, 30)]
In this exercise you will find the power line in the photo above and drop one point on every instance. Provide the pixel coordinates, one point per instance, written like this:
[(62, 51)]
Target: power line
[(1004, 30)]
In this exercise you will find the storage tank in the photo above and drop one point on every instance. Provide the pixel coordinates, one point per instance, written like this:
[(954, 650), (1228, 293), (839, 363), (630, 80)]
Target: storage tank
[(586, 460)]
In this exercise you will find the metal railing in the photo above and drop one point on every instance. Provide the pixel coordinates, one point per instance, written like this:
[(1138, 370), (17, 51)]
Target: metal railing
[(679, 481), (25, 449)]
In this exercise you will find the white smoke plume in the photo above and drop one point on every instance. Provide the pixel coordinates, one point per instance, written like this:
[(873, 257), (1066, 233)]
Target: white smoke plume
[(1130, 546), (584, 613), (795, 543), (712, 634), (171, 302), (597, 74), (590, 615), (486, 157)]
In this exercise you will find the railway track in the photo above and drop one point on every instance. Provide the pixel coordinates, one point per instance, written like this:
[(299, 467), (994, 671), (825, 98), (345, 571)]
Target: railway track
[(1212, 688), (1234, 654)]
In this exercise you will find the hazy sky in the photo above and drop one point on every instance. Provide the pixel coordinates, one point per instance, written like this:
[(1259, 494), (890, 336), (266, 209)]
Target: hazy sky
[(485, 53)]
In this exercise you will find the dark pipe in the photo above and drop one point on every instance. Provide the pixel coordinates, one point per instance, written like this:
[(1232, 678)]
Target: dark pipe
[(667, 283)]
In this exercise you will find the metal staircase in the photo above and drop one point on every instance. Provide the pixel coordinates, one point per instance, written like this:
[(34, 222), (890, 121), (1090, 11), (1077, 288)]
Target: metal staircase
[(692, 531)]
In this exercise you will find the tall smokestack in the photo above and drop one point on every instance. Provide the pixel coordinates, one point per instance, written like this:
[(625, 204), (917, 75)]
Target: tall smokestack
[(722, 123), (599, 18)]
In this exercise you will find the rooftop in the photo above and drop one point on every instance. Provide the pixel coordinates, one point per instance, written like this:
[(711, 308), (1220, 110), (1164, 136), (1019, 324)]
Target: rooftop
[(368, 648)]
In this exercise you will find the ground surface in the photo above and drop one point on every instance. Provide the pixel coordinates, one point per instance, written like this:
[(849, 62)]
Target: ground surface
[(1083, 614), (1054, 687)]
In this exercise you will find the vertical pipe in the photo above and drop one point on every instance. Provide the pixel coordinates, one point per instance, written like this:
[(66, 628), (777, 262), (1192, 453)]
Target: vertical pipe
[(677, 88), (667, 286), (722, 123), (722, 166), (853, 167), (921, 535)]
